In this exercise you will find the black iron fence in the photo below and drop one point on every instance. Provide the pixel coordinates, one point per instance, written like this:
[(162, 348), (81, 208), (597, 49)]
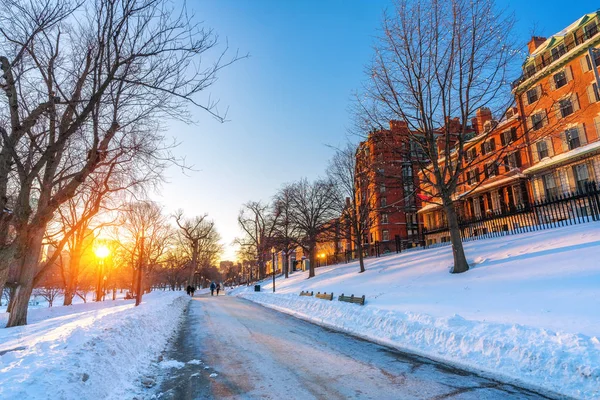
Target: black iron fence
[(574, 208)]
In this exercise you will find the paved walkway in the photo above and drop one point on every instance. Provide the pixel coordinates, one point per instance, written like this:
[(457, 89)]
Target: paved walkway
[(250, 352)]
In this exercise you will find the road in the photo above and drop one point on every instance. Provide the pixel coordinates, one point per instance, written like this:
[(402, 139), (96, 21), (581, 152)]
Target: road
[(251, 352)]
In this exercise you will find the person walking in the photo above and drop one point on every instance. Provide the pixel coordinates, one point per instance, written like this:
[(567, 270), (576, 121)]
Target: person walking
[(212, 289), (193, 290), (218, 288), (188, 290)]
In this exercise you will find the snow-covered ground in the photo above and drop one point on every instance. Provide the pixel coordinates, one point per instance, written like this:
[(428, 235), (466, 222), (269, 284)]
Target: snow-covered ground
[(86, 351), (528, 309)]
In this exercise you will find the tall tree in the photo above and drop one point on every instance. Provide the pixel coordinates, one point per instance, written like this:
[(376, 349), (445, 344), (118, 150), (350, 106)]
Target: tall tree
[(344, 172), (437, 60), (286, 233), (79, 79), (198, 233), (314, 205), (259, 223)]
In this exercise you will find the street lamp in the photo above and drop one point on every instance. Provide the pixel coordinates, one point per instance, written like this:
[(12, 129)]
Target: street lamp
[(101, 253), (273, 266)]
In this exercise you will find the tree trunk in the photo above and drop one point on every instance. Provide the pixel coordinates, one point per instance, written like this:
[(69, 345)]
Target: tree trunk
[(29, 265), (72, 278), (312, 259), (286, 264), (194, 261), (458, 252), (361, 259)]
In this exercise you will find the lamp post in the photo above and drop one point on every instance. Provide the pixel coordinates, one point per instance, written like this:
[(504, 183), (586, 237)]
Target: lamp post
[(101, 253), (273, 265)]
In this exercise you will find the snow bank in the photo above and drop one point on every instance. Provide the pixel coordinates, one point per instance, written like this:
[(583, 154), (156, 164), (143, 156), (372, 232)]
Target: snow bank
[(93, 353), (527, 310)]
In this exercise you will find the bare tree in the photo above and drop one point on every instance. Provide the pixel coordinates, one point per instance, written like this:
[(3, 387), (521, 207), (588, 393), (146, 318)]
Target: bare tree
[(344, 172), (286, 232), (314, 205), (259, 223), (79, 79), (142, 234), (436, 61), (194, 231)]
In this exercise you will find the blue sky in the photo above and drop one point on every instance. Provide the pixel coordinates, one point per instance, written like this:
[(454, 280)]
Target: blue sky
[(290, 99)]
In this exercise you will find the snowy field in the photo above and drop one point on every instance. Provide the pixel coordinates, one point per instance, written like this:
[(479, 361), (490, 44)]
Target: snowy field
[(528, 310), (87, 351)]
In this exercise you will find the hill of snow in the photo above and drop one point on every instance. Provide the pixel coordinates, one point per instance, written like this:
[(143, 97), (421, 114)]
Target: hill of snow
[(87, 351), (527, 309)]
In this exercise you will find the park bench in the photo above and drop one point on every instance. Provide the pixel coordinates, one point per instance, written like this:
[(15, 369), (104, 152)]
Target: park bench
[(324, 296), (352, 299), (306, 293)]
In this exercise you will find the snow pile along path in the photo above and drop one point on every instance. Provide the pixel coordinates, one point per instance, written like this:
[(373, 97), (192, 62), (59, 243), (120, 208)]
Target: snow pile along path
[(566, 363), (95, 354), (527, 309)]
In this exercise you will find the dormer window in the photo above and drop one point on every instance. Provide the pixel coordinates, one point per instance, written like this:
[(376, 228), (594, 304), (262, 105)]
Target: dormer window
[(590, 30), (558, 52)]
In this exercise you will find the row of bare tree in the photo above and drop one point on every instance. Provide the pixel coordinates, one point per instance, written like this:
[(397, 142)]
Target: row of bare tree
[(86, 88), (303, 214)]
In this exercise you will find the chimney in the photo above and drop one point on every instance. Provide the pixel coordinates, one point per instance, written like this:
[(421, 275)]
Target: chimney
[(397, 125), (483, 115), (535, 42)]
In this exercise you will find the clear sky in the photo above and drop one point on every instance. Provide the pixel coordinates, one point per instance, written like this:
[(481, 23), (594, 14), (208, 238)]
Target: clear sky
[(290, 99)]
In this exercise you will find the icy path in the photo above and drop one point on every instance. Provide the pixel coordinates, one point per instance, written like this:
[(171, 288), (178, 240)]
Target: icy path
[(241, 350)]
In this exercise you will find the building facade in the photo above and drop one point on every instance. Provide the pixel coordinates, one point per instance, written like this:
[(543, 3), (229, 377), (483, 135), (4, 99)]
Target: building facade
[(545, 148), (386, 179)]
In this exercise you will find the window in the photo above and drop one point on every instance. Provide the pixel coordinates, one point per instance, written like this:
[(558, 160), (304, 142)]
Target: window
[(537, 121), (384, 219), (509, 136), (590, 30), (380, 171), (550, 186), (385, 235), (566, 107), (514, 160), (582, 176), (530, 69), (558, 51), (491, 169), (473, 176), (560, 79), (542, 149), (488, 146), (532, 95), (383, 202), (471, 154), (593, 94), (572, 138), (382, 188)]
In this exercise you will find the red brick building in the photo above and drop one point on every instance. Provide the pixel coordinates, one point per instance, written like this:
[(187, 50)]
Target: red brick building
[(386, 178)]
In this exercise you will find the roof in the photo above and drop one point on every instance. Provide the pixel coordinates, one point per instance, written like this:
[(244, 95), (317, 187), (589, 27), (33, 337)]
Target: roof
[(560, 35), (563, 157)]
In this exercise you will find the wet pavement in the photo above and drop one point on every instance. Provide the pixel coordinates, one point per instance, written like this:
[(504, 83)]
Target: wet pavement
[(235, 349)]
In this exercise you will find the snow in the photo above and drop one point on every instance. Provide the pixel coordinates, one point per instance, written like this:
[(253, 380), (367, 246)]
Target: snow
[(87, 351), (526, 311)]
